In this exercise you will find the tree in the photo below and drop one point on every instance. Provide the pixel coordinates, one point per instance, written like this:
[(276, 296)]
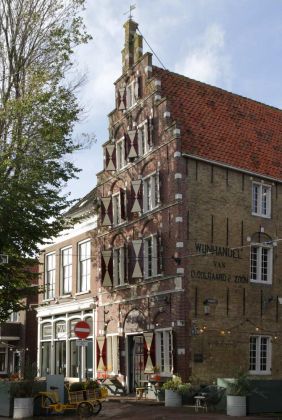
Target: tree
[(38, 110)]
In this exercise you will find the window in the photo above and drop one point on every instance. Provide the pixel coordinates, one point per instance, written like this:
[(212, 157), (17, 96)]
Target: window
[(261, 203), (3, 359), (116, 209), (150, 256), (14, 317), (118, 262), (143, 139), (130, 95), (164, 351), (50, 273), (84, 266), (260, 355), (261, 264), (120, 154), (151, 197), (112, 354), (66, 270)]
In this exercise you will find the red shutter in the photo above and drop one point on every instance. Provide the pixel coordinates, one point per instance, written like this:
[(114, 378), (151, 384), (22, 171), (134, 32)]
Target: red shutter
[(106, 211), (136, 258), (101, 352), (110, 157), (107, 268), (133, 144), (121, 99), (137, 195), (149, 352)]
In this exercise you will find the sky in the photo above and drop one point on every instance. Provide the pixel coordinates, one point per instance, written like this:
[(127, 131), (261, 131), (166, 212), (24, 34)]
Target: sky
[(233, 44)]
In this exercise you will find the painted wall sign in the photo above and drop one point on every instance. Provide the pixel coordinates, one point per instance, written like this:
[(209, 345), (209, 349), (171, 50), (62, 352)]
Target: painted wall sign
[(219, 251), (209, 275)]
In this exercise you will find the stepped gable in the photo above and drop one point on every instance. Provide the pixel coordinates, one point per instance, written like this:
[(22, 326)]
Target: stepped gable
[(224, 127)]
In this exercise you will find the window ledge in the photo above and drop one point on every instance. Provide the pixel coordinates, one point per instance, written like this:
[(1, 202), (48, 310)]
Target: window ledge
[(267, 283), (82, 293), (258, 372), (261, 215), (65, 296)]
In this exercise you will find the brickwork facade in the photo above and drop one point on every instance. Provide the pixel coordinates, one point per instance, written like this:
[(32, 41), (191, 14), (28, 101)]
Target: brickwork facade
[(182, 272)]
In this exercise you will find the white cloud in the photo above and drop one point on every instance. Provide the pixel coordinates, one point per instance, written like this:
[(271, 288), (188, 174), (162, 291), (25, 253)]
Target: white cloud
[(207, 59)]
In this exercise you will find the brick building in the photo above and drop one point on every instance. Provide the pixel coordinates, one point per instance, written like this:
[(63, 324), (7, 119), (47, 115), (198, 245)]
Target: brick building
[(181, 271)]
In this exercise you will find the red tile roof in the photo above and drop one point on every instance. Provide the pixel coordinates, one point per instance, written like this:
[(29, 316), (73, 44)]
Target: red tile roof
[(223, 127)]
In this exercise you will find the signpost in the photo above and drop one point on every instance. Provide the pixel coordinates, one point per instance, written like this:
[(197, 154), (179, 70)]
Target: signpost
[(82, 331)]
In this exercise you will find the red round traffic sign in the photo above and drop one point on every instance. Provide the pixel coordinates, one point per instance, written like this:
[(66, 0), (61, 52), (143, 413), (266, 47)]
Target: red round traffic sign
[(82, 329)]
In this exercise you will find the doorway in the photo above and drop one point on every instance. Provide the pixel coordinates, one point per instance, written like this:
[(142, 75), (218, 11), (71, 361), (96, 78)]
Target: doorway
[(136, 361)]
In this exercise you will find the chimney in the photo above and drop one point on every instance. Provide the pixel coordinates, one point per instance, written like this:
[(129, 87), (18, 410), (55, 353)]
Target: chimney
[(133, 45)]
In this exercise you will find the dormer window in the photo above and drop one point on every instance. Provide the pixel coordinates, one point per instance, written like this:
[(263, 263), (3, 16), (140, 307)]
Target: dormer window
[(261, 200), (120, 153)]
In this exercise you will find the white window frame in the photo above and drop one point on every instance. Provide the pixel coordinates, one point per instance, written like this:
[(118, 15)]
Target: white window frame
[(261, 200), (256, 354), (14, 317), (118, 266), (150, 256), (50, 276), (151, 192), (112, 346), (164, 351), (130, 95), (116, 203), (257, 265), (143, 142), (84, 262), (64, 277), (4, 350), (120, 154)]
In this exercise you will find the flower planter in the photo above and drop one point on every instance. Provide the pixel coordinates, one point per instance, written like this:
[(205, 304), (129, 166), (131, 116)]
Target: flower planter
[(236, 405), (172, 398), (23, 407)]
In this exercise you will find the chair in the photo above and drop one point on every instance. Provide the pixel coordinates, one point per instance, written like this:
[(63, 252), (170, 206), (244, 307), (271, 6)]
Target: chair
[(212, 394)]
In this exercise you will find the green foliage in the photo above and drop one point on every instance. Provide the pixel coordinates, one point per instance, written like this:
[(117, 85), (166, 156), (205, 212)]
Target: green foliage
[(241, 385), (38, 110), (176, 384)]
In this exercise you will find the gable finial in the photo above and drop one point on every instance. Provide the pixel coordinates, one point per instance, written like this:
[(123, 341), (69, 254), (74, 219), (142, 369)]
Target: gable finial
[(131, 7)]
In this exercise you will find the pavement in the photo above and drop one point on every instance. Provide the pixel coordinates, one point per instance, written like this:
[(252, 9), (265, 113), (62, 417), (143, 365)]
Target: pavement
[(152, 410)]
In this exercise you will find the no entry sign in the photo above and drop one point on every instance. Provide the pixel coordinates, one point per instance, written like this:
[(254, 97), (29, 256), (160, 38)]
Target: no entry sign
[(82, 329)]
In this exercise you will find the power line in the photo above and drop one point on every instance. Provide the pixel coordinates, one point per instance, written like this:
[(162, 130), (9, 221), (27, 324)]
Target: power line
[(161, 63)]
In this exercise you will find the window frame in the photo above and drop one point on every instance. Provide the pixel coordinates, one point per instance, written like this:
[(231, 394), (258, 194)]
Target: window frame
[(4, 351), (257, 356), (257, 200), (119, 266), (63, 291), (164, 350), (112, 346), (50, 273), (130, 95), (116, 206), (120, 157), (79, 269), (150, 262), (151, 198), (256, 263), (146, 145)]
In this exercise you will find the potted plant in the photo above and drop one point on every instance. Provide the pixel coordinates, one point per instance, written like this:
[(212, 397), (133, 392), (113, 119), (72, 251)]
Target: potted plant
[(237, 391), (174, 389), (22, 393)]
